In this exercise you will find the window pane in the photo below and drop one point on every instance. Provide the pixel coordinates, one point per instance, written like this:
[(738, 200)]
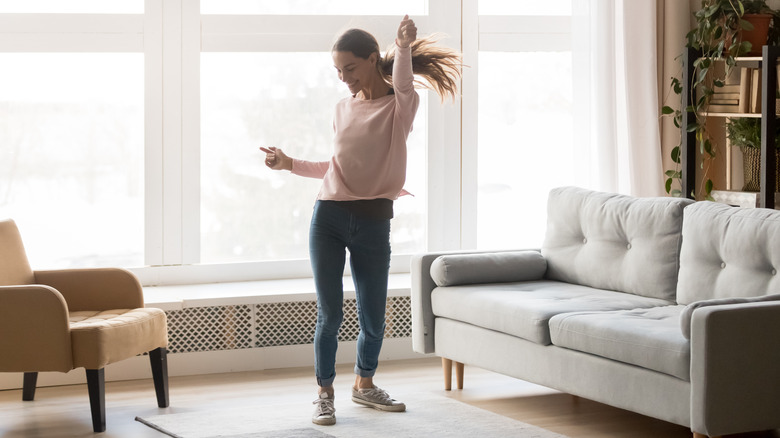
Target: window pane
[(71, 161), (313, 7), (524, 7), (73, 6), (248, 100), (525, 143)]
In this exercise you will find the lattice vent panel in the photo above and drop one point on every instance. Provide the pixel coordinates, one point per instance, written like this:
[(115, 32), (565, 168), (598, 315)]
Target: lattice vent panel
[(398, 322), (270, 324), (293, 323), (289, 323), (210, 328)]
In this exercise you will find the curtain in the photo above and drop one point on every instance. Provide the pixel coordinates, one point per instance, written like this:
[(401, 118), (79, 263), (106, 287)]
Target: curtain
[(615, 54), (675, 20)]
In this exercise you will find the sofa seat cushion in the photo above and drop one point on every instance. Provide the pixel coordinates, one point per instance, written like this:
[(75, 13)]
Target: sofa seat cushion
[(99, 338), (649, 338), (523, 309)]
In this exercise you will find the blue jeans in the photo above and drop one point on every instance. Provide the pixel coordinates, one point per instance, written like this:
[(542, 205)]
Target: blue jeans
[(334, 230)]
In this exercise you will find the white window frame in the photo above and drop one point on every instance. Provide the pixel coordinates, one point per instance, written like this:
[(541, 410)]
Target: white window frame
[(172, 33)]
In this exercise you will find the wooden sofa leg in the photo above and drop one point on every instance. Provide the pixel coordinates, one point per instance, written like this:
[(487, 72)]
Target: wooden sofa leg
[(446, 365), (28, 387), (159, 361), (459, 374), (96, 385)]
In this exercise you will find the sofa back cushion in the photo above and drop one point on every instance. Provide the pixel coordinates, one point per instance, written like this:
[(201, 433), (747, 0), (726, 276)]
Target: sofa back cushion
[(615, 242), (728, 252)]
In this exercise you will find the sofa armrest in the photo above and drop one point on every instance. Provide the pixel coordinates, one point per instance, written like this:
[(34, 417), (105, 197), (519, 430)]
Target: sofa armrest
[(735, 354), (685, 316), (35, 330), (422, 286), (95, 288)]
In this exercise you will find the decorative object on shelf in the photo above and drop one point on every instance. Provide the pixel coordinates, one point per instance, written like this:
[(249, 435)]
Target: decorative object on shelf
[(760, 16), (745, 133), (718, 36), (740, 199), (736, 199)]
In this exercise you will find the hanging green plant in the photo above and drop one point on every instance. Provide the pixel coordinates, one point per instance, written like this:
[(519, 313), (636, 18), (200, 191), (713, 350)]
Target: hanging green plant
[(717, 37)]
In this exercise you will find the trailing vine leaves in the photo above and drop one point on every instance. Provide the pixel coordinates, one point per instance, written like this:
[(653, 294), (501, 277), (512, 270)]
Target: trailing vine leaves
[(717, 38)]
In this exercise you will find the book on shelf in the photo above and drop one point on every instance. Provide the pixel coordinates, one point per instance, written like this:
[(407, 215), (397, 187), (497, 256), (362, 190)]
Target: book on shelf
[(725, 96), (715, 100), (755, 91), (733, 77), (728, 89), (722, 108), (745, 77)]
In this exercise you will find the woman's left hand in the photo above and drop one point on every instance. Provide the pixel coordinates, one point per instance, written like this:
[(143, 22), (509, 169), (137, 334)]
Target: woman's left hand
[(407, 32)]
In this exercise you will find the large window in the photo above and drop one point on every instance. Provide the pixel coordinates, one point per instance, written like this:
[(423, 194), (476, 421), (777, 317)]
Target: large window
[(249, 212), (73, 6), (524, 113), (313, 7), (71, 161), (130, 129), (525, 140)]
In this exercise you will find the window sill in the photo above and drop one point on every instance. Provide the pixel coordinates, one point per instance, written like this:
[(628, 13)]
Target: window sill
[(177, 297)]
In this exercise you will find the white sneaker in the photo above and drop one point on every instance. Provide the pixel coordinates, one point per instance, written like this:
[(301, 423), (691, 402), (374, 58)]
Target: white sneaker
[(324, 411), (377, 398)]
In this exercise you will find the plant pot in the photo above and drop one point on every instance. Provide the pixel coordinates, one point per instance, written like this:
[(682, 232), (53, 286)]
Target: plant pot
[(751, 166), (758, 36)]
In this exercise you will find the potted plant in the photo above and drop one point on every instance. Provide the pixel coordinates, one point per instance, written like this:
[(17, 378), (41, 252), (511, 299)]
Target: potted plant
[(759, 17), (745, 133), (718, 36)]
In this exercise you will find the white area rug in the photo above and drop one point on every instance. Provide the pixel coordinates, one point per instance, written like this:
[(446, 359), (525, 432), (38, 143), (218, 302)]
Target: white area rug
[(427, 415)]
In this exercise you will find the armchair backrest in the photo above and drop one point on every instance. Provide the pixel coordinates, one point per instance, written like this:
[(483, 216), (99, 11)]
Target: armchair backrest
[(14, 267)]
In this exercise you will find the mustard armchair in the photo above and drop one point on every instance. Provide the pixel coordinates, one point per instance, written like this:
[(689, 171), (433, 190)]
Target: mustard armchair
[(60, 320)]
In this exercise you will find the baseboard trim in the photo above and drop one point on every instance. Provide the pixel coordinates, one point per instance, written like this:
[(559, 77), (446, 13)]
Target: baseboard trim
[(214, 362)]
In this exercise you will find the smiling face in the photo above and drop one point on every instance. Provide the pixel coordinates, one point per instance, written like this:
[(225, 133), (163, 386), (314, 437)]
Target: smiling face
[(359, 74)]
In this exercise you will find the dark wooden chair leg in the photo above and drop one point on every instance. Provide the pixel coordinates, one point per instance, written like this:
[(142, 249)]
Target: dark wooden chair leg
[(96, 385), (28, 391), (159, 361)]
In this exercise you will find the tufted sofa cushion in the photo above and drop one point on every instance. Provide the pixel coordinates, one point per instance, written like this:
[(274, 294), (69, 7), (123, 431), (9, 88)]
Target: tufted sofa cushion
[(728, 252), (614, 242)]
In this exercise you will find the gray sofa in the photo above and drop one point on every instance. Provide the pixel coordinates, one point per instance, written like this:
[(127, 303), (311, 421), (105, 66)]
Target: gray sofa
[(661, 306)]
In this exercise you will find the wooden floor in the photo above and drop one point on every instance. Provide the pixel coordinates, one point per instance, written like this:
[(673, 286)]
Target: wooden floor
[(64, 411)]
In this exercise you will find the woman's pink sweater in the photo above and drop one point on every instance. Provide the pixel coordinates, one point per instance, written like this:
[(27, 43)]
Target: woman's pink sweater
[(369, 142)]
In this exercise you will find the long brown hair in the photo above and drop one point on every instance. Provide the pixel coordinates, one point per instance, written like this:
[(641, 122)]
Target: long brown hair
[(440, 67)]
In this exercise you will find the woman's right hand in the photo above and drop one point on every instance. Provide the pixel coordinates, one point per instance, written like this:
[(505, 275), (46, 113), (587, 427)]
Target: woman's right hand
[(276, 159)]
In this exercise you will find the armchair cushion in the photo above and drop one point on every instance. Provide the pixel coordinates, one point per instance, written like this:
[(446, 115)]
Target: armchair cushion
[(103, 337), (496, 267)]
